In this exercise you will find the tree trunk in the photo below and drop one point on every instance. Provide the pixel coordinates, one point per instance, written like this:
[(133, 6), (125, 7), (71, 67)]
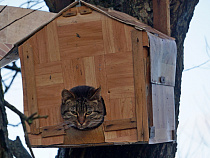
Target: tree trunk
[(4, 142), (181, 12)]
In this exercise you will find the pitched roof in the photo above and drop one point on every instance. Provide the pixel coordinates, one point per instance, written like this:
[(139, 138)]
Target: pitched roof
[(119, 16), (15, 24)]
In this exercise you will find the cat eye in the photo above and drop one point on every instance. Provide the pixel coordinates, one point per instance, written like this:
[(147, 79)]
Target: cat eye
[(74, 112), (89, 112)]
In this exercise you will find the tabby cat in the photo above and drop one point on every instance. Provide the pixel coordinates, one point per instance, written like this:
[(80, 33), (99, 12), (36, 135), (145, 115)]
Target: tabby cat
[(83, 107)]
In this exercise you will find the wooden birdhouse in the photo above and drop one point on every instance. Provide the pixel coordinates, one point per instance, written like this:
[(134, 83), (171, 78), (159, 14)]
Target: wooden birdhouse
[(84, 45)]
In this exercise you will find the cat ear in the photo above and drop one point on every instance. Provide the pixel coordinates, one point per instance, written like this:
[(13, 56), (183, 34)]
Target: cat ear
[(96, 94), (67, 95)]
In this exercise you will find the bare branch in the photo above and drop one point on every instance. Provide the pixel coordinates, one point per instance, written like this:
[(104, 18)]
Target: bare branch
[(198, 65), (17, 149), (207, 52), (13, 68), (14, 125), (24, 118)]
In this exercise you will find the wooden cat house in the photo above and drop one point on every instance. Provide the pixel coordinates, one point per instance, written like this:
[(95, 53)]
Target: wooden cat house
[(85, 45)]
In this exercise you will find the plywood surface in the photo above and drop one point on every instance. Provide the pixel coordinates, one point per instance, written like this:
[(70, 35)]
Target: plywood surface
[(73, 52)]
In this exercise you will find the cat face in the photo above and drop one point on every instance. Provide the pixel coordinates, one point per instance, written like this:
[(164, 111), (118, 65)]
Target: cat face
[(83, 107)]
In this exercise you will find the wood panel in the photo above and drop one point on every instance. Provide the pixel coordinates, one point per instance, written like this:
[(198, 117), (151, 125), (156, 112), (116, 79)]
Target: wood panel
[(25, 103), (90, 74), (116, 36), (108, 37), (81, 40), (119, 36), (35, 140), (119, 71), (74, 136), (140, 87), (94, 16), (49, 92), (30, 83), (52, 41), (53, 112), (49, 79), (121, 92), (52, 140), (129, 135), (121, 124), (49, 131), (73, 72), (100, 74), (48, 68), (41, 38), (120, 108), (163, 113)]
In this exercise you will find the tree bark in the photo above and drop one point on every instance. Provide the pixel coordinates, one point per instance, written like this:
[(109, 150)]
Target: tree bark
[(4, 141), (181, 12)]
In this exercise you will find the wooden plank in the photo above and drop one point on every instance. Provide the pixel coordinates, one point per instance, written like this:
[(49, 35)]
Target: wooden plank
[(52, 140), (43, 54), (52, 111), (73, 72), (128, 30), (52, 41), (90, 75), (27, 57), (50, 91), (108, 37), (81, 40), (49, 131), (34, 44), (94, 16), (101, 76), (121, 92), (84, 10), (119, 36), (48, 68), (35, 140), (122, 136), (114, 125), (120, 80), (25, 103), (74, 136), (148, 88), (118, 58), (121, 108), (140, 87), (70, 12), (161, 16), (49, 79), (145, 39)]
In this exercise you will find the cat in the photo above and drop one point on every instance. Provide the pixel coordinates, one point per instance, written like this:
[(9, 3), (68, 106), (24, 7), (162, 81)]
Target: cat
[(83, 107)]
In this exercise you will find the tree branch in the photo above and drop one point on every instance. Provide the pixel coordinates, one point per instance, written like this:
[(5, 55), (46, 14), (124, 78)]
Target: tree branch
[(18, 149), (24, 118)]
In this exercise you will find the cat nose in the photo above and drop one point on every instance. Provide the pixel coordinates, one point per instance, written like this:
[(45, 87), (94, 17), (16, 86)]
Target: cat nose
[(81, 119)]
